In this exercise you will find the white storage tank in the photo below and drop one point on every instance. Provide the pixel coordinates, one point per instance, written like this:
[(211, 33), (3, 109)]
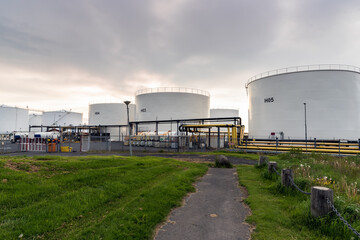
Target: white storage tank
[(61, 118), (224, 112), (35, 120), (13, 119), (170, 103), (111, 114), (331, 94)]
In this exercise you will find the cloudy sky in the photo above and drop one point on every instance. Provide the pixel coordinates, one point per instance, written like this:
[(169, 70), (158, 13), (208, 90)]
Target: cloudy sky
[(66, 54)]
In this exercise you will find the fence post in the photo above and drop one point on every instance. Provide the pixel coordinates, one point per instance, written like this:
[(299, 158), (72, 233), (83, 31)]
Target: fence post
[(319, 205), (286, 174), (262, 160), (272, 167)]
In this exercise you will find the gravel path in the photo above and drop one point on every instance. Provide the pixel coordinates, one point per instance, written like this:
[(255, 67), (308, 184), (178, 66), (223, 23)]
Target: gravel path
[(214, 212)]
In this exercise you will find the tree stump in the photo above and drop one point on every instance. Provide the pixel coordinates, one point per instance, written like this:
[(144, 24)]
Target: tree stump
[(286, 174), (319, 205), (262, 160), (272, 167)]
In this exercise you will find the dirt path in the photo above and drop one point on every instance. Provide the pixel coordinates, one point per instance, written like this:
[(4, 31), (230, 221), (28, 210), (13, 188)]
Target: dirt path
[(214, 211)]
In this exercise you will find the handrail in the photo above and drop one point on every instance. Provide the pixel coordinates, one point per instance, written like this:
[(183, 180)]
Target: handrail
[(303, 68), (172, 89)]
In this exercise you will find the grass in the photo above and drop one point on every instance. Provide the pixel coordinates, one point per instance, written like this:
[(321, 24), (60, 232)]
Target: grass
[(271, 210), (227, 153), (90, 197), (339, 173), (288, 212)]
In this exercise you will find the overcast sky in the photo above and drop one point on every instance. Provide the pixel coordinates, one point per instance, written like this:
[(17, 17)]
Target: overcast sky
[(66, 54)]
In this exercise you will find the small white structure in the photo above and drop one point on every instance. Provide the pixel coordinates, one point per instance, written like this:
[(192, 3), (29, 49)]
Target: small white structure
[(224, 112), (111, 114), (61, 118), (13, 119), (170, 103), (331, 94), (35, 120)]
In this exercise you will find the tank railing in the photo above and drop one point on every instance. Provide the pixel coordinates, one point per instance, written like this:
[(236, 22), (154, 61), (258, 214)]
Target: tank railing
[(304, 68), (172, 89)]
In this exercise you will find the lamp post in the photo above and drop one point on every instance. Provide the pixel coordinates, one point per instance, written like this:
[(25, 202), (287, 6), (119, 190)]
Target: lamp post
[(305, 127), (127, 110)]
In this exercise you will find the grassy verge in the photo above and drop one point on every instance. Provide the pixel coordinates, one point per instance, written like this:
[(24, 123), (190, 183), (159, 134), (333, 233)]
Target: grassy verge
[(228, 153), (90, 197), (282, 213), (271, 210)]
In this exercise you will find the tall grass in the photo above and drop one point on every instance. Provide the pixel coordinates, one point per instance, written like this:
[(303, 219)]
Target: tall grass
[(340, 174)]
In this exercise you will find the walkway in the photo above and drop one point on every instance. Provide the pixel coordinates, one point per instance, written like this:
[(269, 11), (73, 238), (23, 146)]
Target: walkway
[(215, 211)]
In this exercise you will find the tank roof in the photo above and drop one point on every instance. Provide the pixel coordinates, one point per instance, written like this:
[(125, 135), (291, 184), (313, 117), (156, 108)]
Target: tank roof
[(172, 90), (304, 68), (6, 106), (62, 111)]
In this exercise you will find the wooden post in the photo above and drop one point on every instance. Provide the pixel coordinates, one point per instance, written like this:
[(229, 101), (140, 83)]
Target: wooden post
[(262, 160), (286, 174), (272, 167), (319, 205)]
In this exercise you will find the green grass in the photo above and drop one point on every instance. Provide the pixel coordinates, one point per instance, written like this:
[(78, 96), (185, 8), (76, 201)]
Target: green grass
[(227, 153), (342, 174), (90, 197), (288, 211), (271, 210)]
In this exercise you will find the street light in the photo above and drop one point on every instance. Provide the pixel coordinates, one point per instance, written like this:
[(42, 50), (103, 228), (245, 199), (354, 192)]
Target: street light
[(305, 128), (127, 109)]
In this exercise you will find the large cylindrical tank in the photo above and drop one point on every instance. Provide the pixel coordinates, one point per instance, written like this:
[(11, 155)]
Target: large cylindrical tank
[(170, 103), (62, 118), (329, 96), (13, 119), (35, 120), (224, 112), (111, 114)]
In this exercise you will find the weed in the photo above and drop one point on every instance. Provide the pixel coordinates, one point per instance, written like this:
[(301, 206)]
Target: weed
[(340, 174), (269, 175)]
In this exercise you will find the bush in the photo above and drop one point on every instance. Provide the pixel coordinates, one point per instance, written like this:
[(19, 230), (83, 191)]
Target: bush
[(222, 162)]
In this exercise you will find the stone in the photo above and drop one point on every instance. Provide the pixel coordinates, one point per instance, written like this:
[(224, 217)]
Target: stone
[(222, 161)]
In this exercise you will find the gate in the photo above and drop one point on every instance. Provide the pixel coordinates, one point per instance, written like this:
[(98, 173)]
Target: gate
[(32, 144), (85, 143)]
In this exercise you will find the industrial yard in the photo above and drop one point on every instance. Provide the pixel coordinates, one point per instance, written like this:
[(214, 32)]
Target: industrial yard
[(166, 140), (144, 157), (287, 109), (177, 119)]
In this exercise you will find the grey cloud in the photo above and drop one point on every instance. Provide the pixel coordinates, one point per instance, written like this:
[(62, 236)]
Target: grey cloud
[(200, 44)]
